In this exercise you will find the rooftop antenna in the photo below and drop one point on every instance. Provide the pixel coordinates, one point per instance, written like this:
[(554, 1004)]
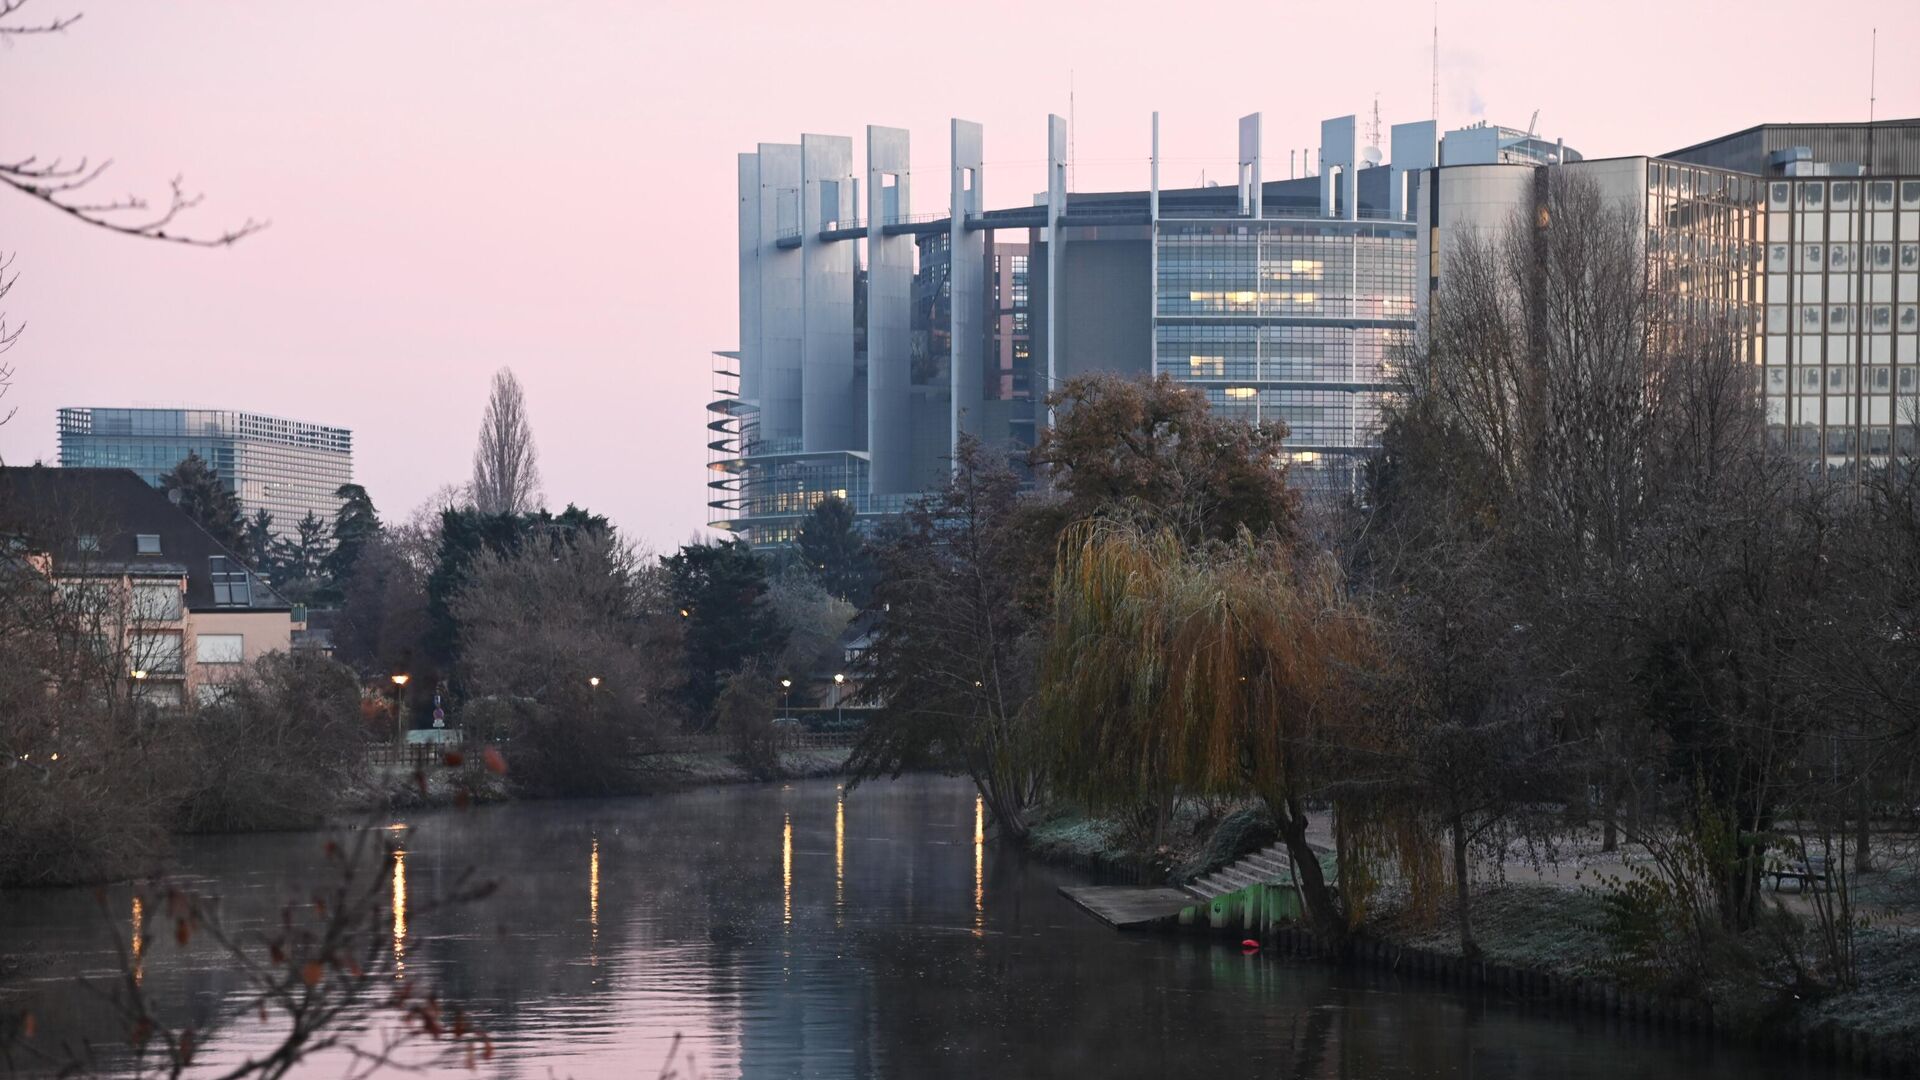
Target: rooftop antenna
[(1436, 63), (1072, 128), (1533, 124), (1873, 74)]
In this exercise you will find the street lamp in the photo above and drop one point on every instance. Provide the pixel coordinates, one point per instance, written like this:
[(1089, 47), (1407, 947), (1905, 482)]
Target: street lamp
[(839, 715), (593, 680), (399, 683), (786, 691)]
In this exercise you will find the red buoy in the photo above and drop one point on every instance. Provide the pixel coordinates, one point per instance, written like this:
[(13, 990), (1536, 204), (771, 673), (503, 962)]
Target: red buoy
[(1250, 945)]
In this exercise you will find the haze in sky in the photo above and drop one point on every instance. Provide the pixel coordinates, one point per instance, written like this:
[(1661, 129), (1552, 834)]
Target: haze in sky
[(457, 186)]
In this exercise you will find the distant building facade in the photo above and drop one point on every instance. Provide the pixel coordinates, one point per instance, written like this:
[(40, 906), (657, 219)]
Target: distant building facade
[(175, 611), (1806, 236), (288, 468), (873, 339)]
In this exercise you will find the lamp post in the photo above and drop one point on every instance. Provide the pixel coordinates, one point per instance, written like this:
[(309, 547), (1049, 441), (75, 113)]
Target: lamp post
[(839, 715), (786, 691), (399, 684)]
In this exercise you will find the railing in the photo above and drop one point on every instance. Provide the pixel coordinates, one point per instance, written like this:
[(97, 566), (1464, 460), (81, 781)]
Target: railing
[(713, 743), (1270, 212)]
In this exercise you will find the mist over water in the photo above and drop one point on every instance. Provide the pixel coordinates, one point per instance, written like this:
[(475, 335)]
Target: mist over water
[(787, 931)]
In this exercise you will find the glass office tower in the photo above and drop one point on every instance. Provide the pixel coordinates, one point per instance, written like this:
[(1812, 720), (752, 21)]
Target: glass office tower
[(286, 467), (1289, 319)]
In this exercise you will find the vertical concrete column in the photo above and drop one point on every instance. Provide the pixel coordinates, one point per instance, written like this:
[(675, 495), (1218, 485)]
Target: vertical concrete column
[(889, 315), (1413, 150), (1056, 209), (1248, 174), (751, 244), (968, 282), (826, 365), (782, 295), (1339, 152)]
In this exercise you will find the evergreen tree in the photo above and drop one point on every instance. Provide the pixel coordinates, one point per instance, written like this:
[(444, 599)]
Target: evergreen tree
[(198, 489), (299, 563), (260, 541), (466, 532), (721, 590), (834, 551), (354, 525)]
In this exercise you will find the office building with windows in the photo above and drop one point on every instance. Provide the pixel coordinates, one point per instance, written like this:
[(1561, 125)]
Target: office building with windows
[(288, 468), (874, 338), (1805, 236)]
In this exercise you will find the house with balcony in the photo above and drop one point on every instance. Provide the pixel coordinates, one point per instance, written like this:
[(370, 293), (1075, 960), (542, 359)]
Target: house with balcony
[(170, 608)]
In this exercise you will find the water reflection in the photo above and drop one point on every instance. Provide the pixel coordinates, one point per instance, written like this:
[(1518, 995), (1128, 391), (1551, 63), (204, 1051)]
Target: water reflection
[(399, 912), (137, 939), (593, 899), (979, 867), (904, 973)]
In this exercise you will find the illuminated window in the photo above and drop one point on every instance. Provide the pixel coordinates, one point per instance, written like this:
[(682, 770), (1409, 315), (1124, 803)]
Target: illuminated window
[(1241, 392), (1208, 365)]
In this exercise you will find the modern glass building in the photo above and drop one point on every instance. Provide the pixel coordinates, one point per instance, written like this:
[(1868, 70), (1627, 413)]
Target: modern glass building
[(873, 339), (285, 467)]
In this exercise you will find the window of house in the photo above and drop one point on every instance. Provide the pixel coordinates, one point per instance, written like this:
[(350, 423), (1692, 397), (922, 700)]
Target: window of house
[(220, 648), (155, 653), (147, 543), (231, 585), (88, 542), (156, 601)]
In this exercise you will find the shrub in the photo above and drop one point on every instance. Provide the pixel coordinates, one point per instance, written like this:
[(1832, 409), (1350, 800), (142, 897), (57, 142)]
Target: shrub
[(277, 749)]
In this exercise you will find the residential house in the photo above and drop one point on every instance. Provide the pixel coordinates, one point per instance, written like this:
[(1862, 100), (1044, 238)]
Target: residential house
[(171, 607)]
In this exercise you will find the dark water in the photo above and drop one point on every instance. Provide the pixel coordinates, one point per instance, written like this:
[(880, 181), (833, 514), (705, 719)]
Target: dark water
[(784, 931)]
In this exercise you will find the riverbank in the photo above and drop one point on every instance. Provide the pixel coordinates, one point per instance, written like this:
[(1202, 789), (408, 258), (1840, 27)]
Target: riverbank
[(400, 787), (1540, 931)]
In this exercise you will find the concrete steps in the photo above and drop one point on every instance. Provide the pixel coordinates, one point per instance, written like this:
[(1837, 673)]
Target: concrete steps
[(1263, 867)]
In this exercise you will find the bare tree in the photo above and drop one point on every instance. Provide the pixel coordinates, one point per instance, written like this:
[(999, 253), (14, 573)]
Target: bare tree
[(506, 467)]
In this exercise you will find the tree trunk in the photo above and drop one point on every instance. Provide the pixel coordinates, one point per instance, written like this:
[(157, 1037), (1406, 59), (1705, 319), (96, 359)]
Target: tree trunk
[(1463, 889), (1862, 846), (1309, 878)]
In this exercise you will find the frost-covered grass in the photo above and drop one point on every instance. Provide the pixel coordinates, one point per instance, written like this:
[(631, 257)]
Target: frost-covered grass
[(1888, 999), (1545, 927)]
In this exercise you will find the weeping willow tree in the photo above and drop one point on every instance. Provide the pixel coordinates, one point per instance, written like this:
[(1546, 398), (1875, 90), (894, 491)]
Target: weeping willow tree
[(1229, 669)]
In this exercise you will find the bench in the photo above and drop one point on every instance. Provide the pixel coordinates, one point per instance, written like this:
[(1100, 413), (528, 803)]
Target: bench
[(1806, 871)]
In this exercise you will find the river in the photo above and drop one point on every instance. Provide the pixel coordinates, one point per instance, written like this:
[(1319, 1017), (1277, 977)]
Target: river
[(793, 931)]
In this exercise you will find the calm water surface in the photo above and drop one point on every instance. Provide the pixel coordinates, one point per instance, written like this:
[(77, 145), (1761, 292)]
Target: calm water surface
[(788, 931)]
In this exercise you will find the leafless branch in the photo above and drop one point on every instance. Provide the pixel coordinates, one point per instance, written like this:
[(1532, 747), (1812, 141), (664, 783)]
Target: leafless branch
[(54, 24), (55, 183)]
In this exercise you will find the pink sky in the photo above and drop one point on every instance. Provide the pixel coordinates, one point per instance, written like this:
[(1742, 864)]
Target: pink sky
[(455, 186)]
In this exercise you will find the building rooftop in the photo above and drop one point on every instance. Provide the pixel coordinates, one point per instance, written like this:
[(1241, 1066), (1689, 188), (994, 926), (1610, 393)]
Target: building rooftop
[(109, 521)]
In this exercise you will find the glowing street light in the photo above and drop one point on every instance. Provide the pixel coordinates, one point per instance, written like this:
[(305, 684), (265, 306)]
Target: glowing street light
[(593, 680), (399, 682), (839, 714)]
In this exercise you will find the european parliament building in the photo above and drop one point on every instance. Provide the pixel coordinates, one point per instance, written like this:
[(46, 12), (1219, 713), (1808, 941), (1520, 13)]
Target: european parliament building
[(873, 337), (288, 468)]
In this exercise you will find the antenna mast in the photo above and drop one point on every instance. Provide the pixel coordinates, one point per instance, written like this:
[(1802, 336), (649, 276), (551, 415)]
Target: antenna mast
[(1873, 75), (1072, 130), (1436, 63)]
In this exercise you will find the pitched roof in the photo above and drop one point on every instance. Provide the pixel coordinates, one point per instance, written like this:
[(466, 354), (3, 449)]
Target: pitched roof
[(52, 510)]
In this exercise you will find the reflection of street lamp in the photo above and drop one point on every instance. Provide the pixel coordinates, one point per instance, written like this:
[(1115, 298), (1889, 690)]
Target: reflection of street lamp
[(839, 716), (399, 683)]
